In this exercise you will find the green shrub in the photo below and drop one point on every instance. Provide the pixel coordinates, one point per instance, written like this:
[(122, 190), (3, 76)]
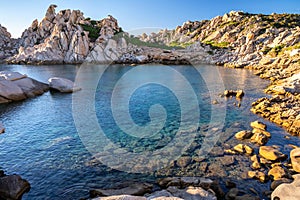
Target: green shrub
[(217, 45), (93, 31)]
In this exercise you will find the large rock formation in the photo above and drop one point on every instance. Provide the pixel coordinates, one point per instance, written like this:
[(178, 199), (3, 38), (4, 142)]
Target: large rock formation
[(65, 37), (8, 45), (15, 87), (237, 37)]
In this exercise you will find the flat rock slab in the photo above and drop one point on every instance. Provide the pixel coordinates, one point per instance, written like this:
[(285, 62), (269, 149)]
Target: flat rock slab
[(137, 189), (11, 76), (13, 187), (10, 90)]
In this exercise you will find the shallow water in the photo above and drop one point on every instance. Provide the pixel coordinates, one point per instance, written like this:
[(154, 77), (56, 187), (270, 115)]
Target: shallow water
[(56, 154)]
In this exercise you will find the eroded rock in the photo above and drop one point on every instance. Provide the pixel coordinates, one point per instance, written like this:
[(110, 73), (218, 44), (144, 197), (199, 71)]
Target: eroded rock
[(13, 187)]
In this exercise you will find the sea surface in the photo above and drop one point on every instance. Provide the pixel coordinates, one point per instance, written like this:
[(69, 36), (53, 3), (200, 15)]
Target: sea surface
[(129, 124)]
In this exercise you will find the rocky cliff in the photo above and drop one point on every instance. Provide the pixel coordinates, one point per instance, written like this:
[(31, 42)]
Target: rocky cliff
[(65, 37), (8, 46), (243, 38), (69, 37)]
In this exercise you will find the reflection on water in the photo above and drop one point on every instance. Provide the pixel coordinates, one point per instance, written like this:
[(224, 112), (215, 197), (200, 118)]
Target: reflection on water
[(41, 142)]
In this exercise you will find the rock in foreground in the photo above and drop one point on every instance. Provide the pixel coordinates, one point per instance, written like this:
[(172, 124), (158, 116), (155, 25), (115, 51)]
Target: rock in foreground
[(288, 191), (15, 87), (62, 85), (12, 187), (295, 159)]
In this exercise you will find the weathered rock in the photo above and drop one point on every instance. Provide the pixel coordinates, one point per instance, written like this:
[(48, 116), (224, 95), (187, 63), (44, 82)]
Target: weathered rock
[(133, 189), (277, 173), (232, 194), (184, 161), (242, 148), (11, 91), (259, 138), (258, 175), (62, 85), (12, 187), (276, 183), (15, 87), (247, 197), (256, 163), (161, 195), (11, 76), (184, 182), (226, 160), (260, 131), (271, 153), (295, 159), (191, 193), (121, 197), (239, 93), (236, 93), (242, 135), (288, 190), (258, 125), (2, 129)]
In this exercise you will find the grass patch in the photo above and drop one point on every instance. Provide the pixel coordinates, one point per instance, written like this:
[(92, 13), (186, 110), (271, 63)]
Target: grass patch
[(175, 44), (217, 45)]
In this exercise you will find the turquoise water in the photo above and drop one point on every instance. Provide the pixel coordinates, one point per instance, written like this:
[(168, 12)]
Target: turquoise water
[(43, 145)]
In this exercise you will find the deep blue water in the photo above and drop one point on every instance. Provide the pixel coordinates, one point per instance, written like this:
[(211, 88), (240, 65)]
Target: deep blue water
[(52, 140)]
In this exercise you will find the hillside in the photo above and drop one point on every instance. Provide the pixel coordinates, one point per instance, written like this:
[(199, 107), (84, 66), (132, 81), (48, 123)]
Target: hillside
[(244, 37)]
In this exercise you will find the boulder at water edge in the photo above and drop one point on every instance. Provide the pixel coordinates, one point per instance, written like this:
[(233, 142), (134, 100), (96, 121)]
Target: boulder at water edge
[(15, 87), (62, 85), (289, 191), (12, 187), (2, 129)]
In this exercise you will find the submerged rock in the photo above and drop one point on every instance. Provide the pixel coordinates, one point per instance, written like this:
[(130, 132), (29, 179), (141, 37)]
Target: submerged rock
[(62, 85), (12, 187)]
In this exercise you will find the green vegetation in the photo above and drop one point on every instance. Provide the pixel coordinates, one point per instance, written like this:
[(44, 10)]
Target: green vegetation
[(296, 46), (279, 49), (230, 23), (136, 41), (93, 31), (266, 50), (175, 44), (281, 20), (217, 45)]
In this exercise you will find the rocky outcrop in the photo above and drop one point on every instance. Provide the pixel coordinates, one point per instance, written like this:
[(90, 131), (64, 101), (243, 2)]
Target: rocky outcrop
[(15, 87), (64, 37), (12, 187), (8, 46), (236, 38), (171, 188), (295, 159), (62, 85), (288, 190)]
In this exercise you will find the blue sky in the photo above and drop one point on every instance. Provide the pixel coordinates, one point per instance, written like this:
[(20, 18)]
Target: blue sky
[(17, 15)]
